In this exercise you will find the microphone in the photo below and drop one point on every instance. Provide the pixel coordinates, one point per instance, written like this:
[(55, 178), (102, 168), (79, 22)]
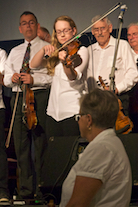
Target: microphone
[(123, 9)]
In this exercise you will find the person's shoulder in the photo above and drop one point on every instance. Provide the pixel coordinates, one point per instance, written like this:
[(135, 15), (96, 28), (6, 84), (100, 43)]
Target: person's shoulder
[(83, 51), (83, 48), (2, 52), (124, 41), (125, 45), (92, 46), (17, 48), (41, 42)]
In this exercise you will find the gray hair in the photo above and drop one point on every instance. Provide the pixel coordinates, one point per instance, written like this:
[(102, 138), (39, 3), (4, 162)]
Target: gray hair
[(103, 107), (97, 17), (132, 24)]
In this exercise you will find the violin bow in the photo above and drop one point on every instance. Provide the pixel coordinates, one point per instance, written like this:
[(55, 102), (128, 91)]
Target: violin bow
[(116, 6), (12, 120)]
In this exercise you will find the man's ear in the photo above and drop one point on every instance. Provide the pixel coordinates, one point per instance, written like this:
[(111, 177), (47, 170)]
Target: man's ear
[(38, 26), (110, 28), (20, 30), (92, 31)]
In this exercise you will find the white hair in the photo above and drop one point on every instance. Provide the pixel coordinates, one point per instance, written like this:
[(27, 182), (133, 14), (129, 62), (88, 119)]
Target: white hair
[(132, 24), (94, 19)]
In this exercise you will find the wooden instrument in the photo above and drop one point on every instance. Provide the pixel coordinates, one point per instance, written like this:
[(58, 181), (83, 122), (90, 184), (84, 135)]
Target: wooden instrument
[(71, 49), (29, 117), (123, 124)]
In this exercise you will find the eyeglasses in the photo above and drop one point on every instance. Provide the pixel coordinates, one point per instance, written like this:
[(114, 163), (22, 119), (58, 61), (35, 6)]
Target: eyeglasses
[(78, 116), (102, 29), (133, 34), (64, 31), (31, 22)]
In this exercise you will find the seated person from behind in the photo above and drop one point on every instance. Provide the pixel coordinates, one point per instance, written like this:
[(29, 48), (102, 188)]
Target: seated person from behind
[(102, 175)]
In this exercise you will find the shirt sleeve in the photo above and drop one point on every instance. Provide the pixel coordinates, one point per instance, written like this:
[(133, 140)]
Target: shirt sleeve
[(9, 71), (96, 164), (129, 66), (3, 57), (83, 52), (40, 77)]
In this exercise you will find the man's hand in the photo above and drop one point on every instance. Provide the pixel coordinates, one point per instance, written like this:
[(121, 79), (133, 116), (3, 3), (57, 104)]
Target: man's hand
[(26, 78), (15, 78)]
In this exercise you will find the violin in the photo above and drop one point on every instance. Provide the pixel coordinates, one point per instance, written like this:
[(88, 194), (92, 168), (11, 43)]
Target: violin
[(123, 124), (29, 117), (71, 49)]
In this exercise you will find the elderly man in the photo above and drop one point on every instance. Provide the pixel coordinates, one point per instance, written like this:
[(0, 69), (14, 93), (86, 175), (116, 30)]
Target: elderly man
[(132, 35), (101, 64)]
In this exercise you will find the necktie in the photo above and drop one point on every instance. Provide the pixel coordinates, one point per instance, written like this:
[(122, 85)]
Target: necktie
[(25, 65)]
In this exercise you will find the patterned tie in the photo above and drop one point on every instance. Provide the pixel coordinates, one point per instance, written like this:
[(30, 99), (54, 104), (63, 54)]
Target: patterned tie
[(25, 65)]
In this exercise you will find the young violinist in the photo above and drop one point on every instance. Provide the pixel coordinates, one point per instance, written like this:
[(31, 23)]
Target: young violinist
[(69, 78)]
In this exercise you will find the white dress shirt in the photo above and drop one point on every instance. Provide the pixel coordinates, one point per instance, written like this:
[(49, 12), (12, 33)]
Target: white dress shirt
[(101, 64), (64, 95), (135, 55), (3, 57), (14, 65)]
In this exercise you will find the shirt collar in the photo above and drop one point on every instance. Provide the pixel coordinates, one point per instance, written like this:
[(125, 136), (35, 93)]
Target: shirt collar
[(111, 43), (32, 41), (107, 132)]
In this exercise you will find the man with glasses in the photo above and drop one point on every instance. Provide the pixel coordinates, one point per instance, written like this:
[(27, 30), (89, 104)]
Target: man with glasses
[(132, 36), (39, 82), (101, 61)]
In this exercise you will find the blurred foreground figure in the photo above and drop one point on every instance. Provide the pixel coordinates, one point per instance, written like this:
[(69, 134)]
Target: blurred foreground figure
[(102, 175)]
